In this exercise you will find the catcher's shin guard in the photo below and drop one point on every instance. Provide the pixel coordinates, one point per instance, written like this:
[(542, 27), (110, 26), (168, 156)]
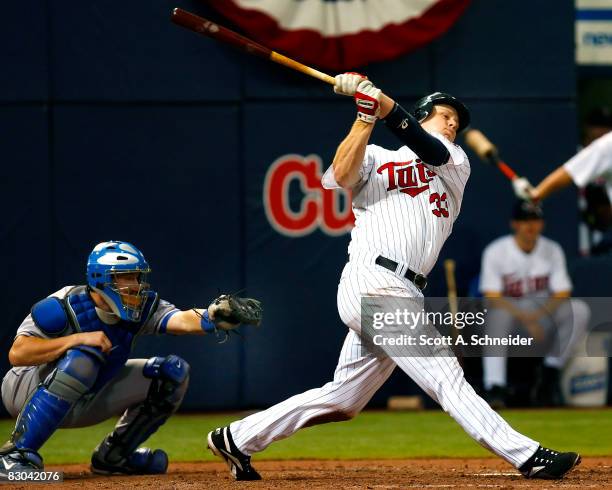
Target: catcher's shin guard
[(117, 452), (44, 411)]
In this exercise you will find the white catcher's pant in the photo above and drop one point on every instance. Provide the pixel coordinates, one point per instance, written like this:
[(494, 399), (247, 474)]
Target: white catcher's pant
[(359, 374)]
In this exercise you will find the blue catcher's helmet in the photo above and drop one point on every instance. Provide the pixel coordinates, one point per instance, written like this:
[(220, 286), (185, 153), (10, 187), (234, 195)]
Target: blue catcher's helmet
[(125, 295)]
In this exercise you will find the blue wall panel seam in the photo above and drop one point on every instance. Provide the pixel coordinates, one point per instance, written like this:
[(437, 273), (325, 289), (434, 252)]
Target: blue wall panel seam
[(241, 386), (51, 147)]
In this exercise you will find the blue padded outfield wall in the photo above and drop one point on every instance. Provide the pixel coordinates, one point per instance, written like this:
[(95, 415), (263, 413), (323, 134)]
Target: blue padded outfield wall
[(117, 124)]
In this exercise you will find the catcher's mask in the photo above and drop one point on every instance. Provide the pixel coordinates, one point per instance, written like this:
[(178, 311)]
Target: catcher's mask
[(424, 107), (118, 272)]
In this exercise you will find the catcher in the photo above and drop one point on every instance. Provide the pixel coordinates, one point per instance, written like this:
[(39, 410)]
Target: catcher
[(71, 366)]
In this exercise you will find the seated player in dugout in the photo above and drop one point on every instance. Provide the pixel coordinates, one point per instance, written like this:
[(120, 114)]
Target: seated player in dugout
[(525, 278), (72, 367)]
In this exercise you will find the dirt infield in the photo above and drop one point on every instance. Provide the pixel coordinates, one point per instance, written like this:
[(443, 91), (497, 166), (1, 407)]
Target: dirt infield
[(371, 474)]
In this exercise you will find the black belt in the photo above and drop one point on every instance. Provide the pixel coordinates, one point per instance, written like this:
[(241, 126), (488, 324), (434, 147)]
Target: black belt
[(419, 280)]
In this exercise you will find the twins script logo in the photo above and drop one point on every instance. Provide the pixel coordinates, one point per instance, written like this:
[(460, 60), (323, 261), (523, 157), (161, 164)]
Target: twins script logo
[(318, 208), (516, 287), (412, 180)]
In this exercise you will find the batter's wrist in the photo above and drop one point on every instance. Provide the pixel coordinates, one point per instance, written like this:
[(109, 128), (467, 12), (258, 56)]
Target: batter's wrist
[(387, 104)]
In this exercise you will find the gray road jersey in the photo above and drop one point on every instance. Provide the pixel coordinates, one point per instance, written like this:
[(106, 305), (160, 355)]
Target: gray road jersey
[(151, 327)]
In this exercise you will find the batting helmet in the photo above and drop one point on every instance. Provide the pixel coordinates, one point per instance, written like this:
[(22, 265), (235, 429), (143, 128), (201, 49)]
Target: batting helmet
[(107, 261), (424, 106)]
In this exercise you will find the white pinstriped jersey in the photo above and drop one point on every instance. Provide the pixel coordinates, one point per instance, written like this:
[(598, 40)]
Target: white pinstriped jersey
[(405, 209), (592, 162)]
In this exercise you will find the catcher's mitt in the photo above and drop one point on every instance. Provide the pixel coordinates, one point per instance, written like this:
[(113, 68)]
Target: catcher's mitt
[(228, 311)]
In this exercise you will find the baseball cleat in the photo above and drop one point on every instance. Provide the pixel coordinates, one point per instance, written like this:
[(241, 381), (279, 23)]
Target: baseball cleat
[(143, 461), (220, 442), (20, 460), (548, 464)]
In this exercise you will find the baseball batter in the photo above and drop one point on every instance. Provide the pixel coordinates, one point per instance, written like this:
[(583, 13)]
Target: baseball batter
[(525, 278), (71, 366), (590, 163), (405, 202)]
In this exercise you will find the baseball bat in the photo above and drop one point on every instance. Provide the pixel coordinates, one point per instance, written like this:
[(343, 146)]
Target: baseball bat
[(487, 152), (451, 286), (453, 302), (203, 26)]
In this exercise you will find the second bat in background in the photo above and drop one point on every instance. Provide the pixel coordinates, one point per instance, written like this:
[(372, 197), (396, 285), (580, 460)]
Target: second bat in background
[(487, 152)]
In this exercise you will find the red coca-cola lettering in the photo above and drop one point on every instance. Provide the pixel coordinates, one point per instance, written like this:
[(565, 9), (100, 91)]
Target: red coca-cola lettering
[(319, 208)]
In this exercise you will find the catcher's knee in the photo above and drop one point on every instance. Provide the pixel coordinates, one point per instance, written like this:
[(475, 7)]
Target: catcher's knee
[(171, 379), (76, 373)]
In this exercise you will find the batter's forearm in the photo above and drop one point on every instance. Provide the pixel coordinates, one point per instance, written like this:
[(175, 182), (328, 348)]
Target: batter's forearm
[(555, 181), (386, 105), (408, 130), (33, 351), (350, 154)]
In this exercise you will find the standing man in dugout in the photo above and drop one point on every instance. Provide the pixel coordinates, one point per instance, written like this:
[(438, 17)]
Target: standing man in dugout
[(592, 163), (405, 203), (591, 171), (525, 281), (71, 366)]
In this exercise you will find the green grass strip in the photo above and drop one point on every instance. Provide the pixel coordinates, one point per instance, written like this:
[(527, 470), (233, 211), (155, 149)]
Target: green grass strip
[(372, 435)]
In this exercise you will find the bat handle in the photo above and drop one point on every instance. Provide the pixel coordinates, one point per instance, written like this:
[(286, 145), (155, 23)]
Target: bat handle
[(506, 170), (296, 65), (493, 158)]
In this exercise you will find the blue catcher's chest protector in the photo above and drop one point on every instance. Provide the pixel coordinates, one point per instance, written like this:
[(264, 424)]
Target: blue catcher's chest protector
[(77, 310), (83, 317)]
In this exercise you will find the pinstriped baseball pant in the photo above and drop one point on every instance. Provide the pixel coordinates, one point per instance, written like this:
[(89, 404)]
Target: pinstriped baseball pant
[(360, 373)]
